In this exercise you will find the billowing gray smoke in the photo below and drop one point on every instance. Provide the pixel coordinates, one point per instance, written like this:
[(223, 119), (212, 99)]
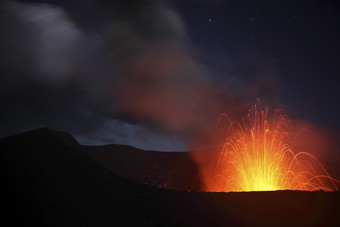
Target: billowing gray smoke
[(111, 73)]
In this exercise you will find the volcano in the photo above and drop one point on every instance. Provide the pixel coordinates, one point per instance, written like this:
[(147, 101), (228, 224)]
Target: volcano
[(168, 170), (264, 154), (48, 179)]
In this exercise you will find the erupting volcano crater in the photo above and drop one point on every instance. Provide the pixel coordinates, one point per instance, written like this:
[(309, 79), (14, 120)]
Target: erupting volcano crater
[(262, 154)]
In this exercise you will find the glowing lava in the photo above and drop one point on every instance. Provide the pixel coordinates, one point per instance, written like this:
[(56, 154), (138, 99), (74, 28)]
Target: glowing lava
[(261, 154)]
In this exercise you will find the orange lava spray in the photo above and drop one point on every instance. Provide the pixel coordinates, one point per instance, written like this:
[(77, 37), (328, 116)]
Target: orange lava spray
[(261, 154)]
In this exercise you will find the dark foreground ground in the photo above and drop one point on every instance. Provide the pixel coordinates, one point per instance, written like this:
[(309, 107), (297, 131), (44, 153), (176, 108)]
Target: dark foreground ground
[(48, 180)]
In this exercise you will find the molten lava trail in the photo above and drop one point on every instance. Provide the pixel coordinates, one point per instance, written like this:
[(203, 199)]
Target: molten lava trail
[(262, 154)]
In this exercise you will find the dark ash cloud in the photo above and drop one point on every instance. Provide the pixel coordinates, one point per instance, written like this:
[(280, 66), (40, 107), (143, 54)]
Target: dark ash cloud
[(113, 73)]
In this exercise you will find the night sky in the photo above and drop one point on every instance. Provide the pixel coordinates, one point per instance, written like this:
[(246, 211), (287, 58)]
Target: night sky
[(157, 74), (297, 39)]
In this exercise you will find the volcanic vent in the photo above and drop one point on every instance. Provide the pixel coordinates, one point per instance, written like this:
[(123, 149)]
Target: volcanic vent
[(261, 153)]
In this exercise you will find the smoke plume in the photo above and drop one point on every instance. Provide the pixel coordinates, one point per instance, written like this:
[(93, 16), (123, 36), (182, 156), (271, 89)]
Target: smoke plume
[(106, 72)]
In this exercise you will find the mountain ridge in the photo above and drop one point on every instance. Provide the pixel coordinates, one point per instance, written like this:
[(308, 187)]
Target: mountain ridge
[(48, 182)]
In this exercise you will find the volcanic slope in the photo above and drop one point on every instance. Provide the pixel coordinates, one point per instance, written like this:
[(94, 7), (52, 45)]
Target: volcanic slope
[(48, 180), (169, 170)]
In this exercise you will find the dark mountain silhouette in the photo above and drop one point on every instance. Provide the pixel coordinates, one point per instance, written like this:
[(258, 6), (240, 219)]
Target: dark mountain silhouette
[(170, 170), (48, 180)]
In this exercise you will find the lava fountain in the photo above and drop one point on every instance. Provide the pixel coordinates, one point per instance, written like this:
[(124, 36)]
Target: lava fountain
[(261, 154)]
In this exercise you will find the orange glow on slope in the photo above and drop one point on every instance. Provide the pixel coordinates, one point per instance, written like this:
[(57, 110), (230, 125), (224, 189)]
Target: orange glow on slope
[(261, 154)]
